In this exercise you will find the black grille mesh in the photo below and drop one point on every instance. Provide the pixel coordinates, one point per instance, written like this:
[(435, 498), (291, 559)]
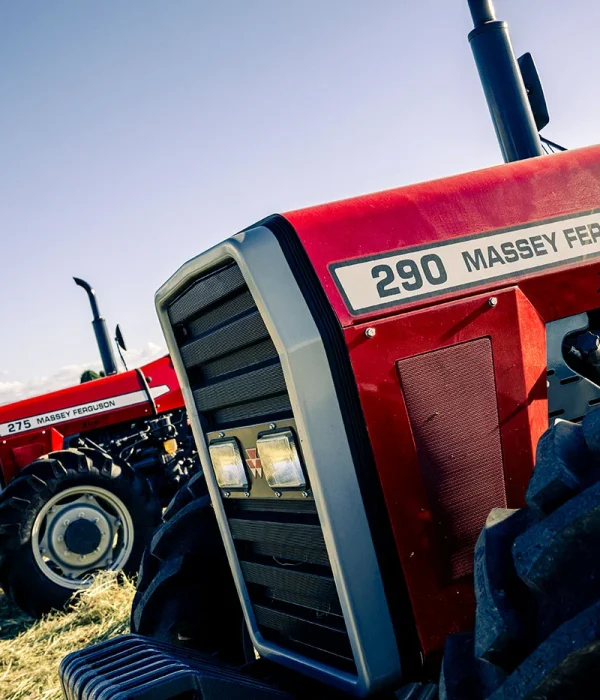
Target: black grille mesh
[(232, 365), (236, 379), (285, 565)]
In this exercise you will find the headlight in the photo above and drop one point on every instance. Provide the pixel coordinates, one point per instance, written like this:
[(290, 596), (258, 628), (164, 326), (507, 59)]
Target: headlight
[(228, 465), (280, 460)]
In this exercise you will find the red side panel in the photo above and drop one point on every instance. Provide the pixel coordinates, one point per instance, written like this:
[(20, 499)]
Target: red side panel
[(443, 605)]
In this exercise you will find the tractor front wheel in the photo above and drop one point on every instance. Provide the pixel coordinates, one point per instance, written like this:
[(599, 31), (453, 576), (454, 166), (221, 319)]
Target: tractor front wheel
[(185, 591), (66, 517), (537, 584)]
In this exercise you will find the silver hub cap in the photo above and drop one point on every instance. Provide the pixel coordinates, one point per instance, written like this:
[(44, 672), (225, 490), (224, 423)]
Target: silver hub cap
[(80, 531)]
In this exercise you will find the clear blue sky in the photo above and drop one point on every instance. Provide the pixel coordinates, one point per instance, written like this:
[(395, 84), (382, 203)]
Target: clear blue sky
[(135, 134)]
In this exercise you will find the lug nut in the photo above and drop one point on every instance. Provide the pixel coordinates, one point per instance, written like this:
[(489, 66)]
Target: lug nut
[(82, 557), (66, 522), (60, 538), (81, 515), (96, 520)]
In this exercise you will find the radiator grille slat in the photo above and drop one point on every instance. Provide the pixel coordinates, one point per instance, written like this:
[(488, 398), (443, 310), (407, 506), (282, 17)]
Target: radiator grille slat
[(307, 585), (246, 357), (252, 385), (239, 333), (210, 289), (320, 636), (282, 540)]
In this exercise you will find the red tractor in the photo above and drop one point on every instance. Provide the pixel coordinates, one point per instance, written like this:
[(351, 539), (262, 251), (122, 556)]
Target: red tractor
[(85, 472), (367, 381)]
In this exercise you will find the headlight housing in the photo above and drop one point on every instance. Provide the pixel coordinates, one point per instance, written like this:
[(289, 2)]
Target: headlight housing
[(280, 460), (228, 464)]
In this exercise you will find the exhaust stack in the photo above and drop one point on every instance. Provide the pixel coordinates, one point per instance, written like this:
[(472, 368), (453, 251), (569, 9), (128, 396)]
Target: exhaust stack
[(503, 84), (100, 330)]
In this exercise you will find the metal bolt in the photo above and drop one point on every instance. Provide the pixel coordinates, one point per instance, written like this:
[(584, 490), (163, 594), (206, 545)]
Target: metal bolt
[(221, 434), (226, 494), (82, 557), (96, 520), (66, 553), (370, 332), (272, 426), (66, 522), (60, 538), (89, 496), (304, 494), (103, 534), (81, 515), (109, 562), (492, 301), (277, 494), (247, 494)]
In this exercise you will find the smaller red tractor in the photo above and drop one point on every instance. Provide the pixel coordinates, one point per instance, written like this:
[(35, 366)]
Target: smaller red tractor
[(85, 472)]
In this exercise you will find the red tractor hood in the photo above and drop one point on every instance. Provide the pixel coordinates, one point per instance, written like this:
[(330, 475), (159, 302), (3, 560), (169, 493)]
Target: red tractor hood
[(121, 397), (473, 210)]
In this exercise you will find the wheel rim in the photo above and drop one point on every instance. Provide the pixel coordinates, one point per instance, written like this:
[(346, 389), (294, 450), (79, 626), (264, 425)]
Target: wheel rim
[(80, 531)]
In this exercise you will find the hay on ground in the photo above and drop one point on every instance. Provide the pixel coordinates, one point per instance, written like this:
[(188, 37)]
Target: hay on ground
[(31, 650)]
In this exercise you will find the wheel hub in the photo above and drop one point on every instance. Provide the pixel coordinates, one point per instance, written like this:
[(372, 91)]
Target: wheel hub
[(82, 537), (80, 531)]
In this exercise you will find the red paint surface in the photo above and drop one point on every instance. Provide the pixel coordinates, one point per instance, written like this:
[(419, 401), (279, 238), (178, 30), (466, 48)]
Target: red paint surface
[(157, 373), (496, 198)]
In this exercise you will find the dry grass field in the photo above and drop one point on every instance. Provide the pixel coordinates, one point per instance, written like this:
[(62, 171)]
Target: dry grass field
[(31, 650)]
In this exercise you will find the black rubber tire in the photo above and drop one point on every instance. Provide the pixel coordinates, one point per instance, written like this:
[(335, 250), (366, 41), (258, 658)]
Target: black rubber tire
[(20, 575), (185, 591), (537, 584)]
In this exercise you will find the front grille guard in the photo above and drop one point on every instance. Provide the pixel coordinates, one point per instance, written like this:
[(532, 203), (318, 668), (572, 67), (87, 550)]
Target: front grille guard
[(320, 425)]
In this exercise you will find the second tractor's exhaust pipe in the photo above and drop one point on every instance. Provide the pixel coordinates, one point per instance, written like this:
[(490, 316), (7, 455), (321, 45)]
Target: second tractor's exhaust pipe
[(102, 337), (503, 84)]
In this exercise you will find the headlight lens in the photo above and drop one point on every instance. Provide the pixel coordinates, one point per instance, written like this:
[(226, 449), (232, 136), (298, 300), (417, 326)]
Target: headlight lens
[(228, 465), (280, 460)]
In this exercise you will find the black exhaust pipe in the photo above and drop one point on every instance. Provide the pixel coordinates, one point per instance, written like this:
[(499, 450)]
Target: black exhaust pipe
[(102, 337), (503, 84)]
